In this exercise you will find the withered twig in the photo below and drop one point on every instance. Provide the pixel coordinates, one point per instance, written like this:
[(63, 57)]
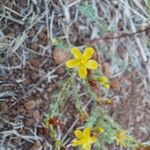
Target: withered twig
[(123, 35)]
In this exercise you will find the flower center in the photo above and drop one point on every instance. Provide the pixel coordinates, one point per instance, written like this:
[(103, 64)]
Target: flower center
[(121, 137), (83, 61)]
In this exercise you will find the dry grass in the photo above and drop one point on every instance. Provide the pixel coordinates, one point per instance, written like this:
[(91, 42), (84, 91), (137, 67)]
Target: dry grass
[(27, 29)]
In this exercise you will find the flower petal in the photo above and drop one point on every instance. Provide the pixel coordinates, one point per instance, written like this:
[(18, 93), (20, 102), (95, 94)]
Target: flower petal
[(76, 52), (92, 140), (92, 64), (78, 134), (103, 79), (82, 72), (86, 146), (76, 142), (100, 130), (87, 132), (106, 85), (72, 63), (121, 138), (88, 53)]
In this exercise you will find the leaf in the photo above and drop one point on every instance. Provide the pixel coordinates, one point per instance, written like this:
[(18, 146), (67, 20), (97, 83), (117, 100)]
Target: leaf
[(88, 11), (58, 43)]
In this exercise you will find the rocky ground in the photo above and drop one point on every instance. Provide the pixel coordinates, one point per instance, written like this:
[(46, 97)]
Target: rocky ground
[(31, 68)]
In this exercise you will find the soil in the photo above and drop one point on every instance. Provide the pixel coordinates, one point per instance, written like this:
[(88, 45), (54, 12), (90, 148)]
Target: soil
[(25, 93)]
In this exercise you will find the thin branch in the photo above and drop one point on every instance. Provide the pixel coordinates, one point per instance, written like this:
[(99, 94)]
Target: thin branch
[(123, 35)]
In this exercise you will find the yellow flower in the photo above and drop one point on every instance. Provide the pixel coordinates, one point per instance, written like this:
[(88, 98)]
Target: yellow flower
[(100, 130), (84, 139), (82, 61), (121, 138), (104, 82)]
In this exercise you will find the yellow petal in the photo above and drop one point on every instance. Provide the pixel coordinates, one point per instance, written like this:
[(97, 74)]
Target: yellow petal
[(78, 134), (106, 85), (92, 64), (88, 53), (86, 146), (121, 138), (82, 72), (87, 132), (100, 130), (72, 63), (76, 52), (92, 140), (103, 79), (76, 142)]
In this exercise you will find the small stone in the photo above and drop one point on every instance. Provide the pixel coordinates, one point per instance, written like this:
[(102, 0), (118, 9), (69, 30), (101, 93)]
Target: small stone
[(107, 69), (16, 28), (23, 3), (34, 62), (3, 107), (139, 118), (51, 87), (34, 46), (45, 105), (60, 71), (42, 35), (30, 105), (34, 76), (60, 56), (115, 84), (29, 122), (38, 102), (36, 146), (36, 116), (21, 110)]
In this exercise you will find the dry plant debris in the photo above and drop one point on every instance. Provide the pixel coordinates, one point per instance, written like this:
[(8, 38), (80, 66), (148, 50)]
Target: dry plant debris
[(42, 102)]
